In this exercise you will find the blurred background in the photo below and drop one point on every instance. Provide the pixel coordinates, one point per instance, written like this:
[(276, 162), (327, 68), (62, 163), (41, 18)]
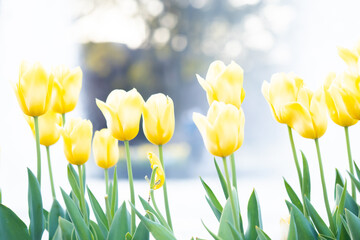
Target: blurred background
[(159, 46)]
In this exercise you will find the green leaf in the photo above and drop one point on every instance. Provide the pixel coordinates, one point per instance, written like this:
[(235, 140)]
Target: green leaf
[(74, 181), (210, 232), (82, 230), (158, 231), (357, 170), (216, 212), (261, 234), (341, 206), (222, 180), (94, 228), (353, 223), (254, 217), (317, 220), (0, 196), (120, 224), (46, 219), (338, 180), (350, 204), (147, 207), (141, 232), (292, 234), (304, 228), (128, 236), (234, 232), (211, 196), (99, 213), (355, 181), (306, 184), (11, 226), (56, 211), (114, 193), (36, 216), (65, 229), (293, 197)]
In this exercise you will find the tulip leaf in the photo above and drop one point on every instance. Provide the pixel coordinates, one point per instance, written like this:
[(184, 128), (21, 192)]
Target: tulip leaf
[(357, 170), (56, 211), (141, 232), (114, 194), (65, 229), (82, 231), (355, 181), (11, 226), (350, 204), (306, 184), (99, 213), (293, 197), (95, 229), (353, 222), (216, 212), (254, 217), (0, 196), (74, 181), (222, 179), (210, 232), (304, 228), (261, 234), (317, 220), (338, 180), (234, 232), (46, 219), (341, 206), (211, 196), (158, 231), (120, 224), (36, 216), (160, 218), (292, 234)]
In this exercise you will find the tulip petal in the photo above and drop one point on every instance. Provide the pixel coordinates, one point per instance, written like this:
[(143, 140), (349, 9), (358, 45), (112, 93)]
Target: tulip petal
[(265, 91), (112, 120), (214, 70), (318, 114), (206, 85), (347, 55)]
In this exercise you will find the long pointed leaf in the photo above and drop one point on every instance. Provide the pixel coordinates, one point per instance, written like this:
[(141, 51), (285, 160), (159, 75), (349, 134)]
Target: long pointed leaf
[(56, 211), (350, 204), (36, 216), (99, 213), (293, 197), (338, 180), (211, 196), (261, 234), (114, 193), (353, 223), (306, 184), (222, 180), (11, 226), (304, 229), (292, 234), (141, 232), (120, 224), (216, 212), (254, 217), (210, 232)]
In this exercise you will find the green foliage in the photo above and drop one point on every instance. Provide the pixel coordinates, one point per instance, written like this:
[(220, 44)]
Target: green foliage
[(353, 223), (56, 211), (221, 179), (304, 228), (11, 226), (99, 214), (254, 217), (306, 182), (261, 234), (120, 226), (293, 197)]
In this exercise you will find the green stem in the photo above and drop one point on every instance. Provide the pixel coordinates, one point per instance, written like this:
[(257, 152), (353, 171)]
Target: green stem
[(50, 173), (326, 200), (108, 212), (63, 119), (152, 196), (351, 166), (233, 170), (232, 201), (82, 197), (166, 200), (37, 137), (298, 169), (131, 184), (107, 181)]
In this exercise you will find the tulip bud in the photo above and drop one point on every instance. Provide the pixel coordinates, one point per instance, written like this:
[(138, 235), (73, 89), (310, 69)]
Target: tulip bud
[(122, 112), (284, 226), (77, 140), (334, 96), (33, 90), (224, 83), (158, 119), (105, 149), (49, 127), (222, 129), (67, 86), (160, 174)]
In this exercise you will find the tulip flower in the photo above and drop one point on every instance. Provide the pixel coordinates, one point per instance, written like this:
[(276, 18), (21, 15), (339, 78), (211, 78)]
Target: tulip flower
[(77, 136), (67, 86), (224, 83), (284, 226), (222, 129), (334, 96), (351, 95), (49, 127), (33, 90), (122, 112), (282, 90), (159, 174), (105, 149), (351, 58), (158, 119)]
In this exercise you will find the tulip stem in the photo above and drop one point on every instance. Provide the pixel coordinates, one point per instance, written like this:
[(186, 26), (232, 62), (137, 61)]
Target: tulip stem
[(37, 137), (50, 173), (131, 184), (63, 119), (166, 201), (107, 195), (152, 195), (298, 169), (233, 170), (326, 200), (351, 166), (82, 197), (232, 201)]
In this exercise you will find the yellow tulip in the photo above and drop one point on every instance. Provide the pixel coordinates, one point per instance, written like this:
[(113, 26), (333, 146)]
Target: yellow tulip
[(49, 127), (334, 96), (160, 174), (77, 140), (122, 112), (105, 149), (33, 90), (158, 119), (67, 86), (224, 83), (222, 129), (351, 58), (282, 90), (308, 115), (284, 227), (351, 96)]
